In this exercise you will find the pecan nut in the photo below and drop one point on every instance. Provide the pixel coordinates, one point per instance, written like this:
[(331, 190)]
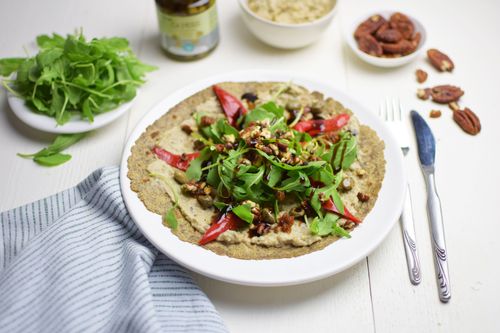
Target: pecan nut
[(388, 35), (468, 121), (403, 47), (369, 45), (368, 27), (440, 60), (435, 114), (424, 94), (403, 24), (421, 75), (446, 94)]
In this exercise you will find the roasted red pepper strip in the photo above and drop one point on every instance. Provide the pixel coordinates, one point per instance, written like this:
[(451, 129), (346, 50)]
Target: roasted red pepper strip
[(180, 162), (228, 221), (232, 106), (317, 126), (330, 206)]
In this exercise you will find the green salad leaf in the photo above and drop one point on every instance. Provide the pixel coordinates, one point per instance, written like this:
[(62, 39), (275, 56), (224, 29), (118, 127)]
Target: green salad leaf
[(51, 156), (74, 76), (244, 212)]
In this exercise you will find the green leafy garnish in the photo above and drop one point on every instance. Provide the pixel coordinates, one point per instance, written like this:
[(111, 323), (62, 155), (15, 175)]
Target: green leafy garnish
[(170, 219), (244, 212), (327, 226), (72, 76), (51, 155)]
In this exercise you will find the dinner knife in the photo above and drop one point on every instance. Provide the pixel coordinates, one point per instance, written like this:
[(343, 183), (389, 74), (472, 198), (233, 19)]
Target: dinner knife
[(426, 153)]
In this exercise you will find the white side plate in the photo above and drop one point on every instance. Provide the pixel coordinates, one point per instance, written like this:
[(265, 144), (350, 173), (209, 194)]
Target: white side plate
[(276, 272), (75, 125)]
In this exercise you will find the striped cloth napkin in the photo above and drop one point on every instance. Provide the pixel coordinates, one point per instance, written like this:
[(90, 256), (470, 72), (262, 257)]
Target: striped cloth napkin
[(76, 262)]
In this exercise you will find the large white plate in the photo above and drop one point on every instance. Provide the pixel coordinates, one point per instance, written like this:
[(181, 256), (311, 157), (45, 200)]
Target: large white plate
[(276, 272)]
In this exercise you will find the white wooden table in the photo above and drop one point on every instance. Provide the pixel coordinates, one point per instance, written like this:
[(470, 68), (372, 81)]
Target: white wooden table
[(374, 295)]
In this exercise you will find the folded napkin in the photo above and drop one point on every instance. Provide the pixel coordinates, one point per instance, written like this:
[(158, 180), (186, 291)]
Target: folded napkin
[(75, 261)]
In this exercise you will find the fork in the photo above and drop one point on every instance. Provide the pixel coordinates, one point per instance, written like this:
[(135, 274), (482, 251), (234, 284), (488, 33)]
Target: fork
[(391, 112)]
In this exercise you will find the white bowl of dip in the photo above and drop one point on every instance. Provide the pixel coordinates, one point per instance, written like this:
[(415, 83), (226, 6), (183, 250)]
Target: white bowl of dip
[(286, 35)]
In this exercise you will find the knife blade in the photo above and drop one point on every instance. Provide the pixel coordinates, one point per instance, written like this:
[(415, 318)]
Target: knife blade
[(426, 153)]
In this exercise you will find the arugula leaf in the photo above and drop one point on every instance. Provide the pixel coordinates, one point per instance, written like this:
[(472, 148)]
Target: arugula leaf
[(327, 225), (272, 159), (194, 171), (51, 155), (297, 181), (244, 212), (269, 110), (220, 205), (169, 218), (60, 143), (343, 153), (52, 160), (274, 176), (9, 65)]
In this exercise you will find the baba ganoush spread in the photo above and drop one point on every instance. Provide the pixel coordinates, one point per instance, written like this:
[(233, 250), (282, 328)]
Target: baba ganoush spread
[(291, 11)]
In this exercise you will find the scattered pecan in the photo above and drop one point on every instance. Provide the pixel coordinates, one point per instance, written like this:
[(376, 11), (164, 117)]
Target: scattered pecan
[(206, 121), (421, 75), (403, 24), (363, 197), (368, 44), (368, 27), (435, 114), (446, 94), (440, 60), (187, 129), (467, 120), (424, 93)]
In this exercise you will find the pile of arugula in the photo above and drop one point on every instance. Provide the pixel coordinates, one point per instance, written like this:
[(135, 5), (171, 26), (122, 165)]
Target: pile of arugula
[(74, 76), (315, 180)]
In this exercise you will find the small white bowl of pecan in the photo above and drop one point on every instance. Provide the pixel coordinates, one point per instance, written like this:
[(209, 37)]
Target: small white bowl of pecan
[(386, 38)]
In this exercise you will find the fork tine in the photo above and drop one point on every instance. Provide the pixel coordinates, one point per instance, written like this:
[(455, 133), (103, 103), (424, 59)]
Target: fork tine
[(400, 110), (387, 109), (395, 102)]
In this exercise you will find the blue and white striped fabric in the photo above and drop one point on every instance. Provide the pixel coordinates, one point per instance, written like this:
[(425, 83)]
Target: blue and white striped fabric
[(76, 262)]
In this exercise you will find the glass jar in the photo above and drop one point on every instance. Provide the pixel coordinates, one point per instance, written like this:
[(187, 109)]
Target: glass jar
[(189, 29)]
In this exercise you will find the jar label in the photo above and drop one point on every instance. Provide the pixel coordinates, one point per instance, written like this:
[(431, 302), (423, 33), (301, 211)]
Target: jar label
[(188, 27)]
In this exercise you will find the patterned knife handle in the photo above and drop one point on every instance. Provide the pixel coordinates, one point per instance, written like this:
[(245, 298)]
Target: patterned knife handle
[(438, 239), (409, 241)]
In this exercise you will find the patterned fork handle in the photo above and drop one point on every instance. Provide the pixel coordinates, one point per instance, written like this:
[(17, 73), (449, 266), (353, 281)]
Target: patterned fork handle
[(409, 240)]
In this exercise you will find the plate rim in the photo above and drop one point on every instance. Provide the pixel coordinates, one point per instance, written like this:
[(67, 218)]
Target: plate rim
[(132, 201), (48, 124)]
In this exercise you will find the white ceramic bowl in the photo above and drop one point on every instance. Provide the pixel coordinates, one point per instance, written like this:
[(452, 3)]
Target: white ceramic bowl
[(286, 36), (377, 61)]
